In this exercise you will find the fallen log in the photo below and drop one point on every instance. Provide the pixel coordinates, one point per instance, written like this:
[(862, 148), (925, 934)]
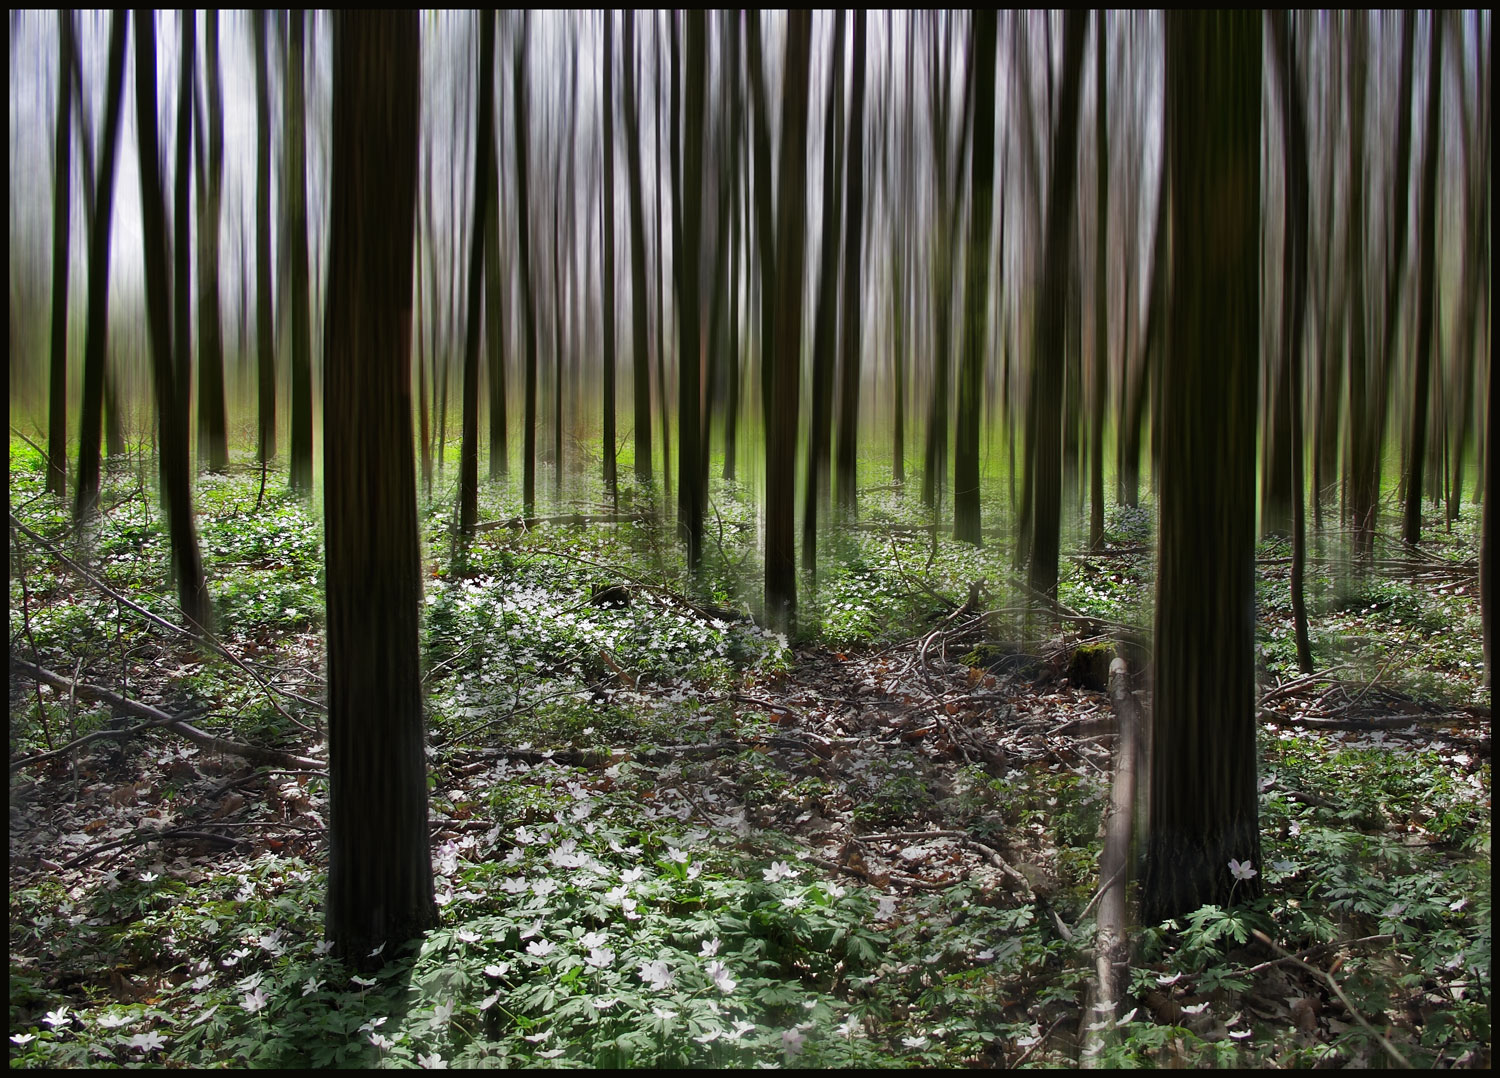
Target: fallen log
[(154, 718)]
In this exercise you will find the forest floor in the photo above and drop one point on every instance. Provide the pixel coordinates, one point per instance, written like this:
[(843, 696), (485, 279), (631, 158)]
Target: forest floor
[(664, 836)]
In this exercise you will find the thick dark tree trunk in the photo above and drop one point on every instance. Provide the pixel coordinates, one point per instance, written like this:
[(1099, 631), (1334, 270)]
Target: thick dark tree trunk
[(379, 856), (528, 299), (468, 453), (640, 347), (62, 213), (298, 285), (977, 291), (1294, 306), (213, 444), (854, 217), (825, 320), (265, 331), (607, 107), (765, 217), (1047, 360), (96, 327), (1203, 814), (786, 354), (1427, 327), (690, 477), (176, 475)]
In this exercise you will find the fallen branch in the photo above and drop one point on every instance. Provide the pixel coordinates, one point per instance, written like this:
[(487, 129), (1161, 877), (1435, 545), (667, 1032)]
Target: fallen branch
[(1385, 1043), (142, 838), (154, 717), (574, 519)]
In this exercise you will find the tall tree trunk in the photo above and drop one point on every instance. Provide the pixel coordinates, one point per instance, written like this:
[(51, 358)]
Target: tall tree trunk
[(1427, 328), (379, 858), (265, 331), (176, 476), (977, 291), (690, 477), (825, 320), (901, 267), (791, 230), (1047, 361), (935, 459), (854, 216), (96, 326), (182, 334), (62, 212), (1100, 377), (661, 272), (1294, 285), (1203, 812), (1359, 362), (424, 435), (468, 453), (300, 298), (213, 444), (640, 348), (607, 107), (528, 298), (738, 234), (1134, 393), (765, 218), (496, 287)]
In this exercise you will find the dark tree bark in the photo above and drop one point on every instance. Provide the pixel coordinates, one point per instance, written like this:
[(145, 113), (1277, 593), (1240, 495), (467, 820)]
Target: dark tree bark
[(424, 432), (901, 271), (661, 272), (96, 327), (182, 334), (301, 477), (854, 216), (1203, 811), (691, 485), (172, 448), (495, 289), (825, 320), (213, 444), (265, 331), (607, 107), (786, 355), (1359, 363), (1294, 284), (640, 348), (1333, 297), (1427, 328), (1100, 375), (1134, 392), (1047, 359), (468, 453), (379, 856), (739, 228), (62, 214), (528, 299), (976, 293)]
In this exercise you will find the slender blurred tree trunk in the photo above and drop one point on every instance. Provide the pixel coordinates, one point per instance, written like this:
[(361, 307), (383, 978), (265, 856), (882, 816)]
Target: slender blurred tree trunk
[(966, 518), (379, 857), (1359, 363), (1427, 326), (765, 217), (640, 347), (661, 272), (528, 299), (1135, 391), (1294, 306), (213, 444), (300, 296), (1329, 375), (791, 231), (607, 107), (738, 235), (1047, 357), (182, 289), (96, 326), (265, 331), (424, 435), (901, 265), (1100, 377), (495, 289), (1203, 811), (825, 319), (173, 465), (62, 211), (484, 122), (690, 473), (935, 459), (854, 216)]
